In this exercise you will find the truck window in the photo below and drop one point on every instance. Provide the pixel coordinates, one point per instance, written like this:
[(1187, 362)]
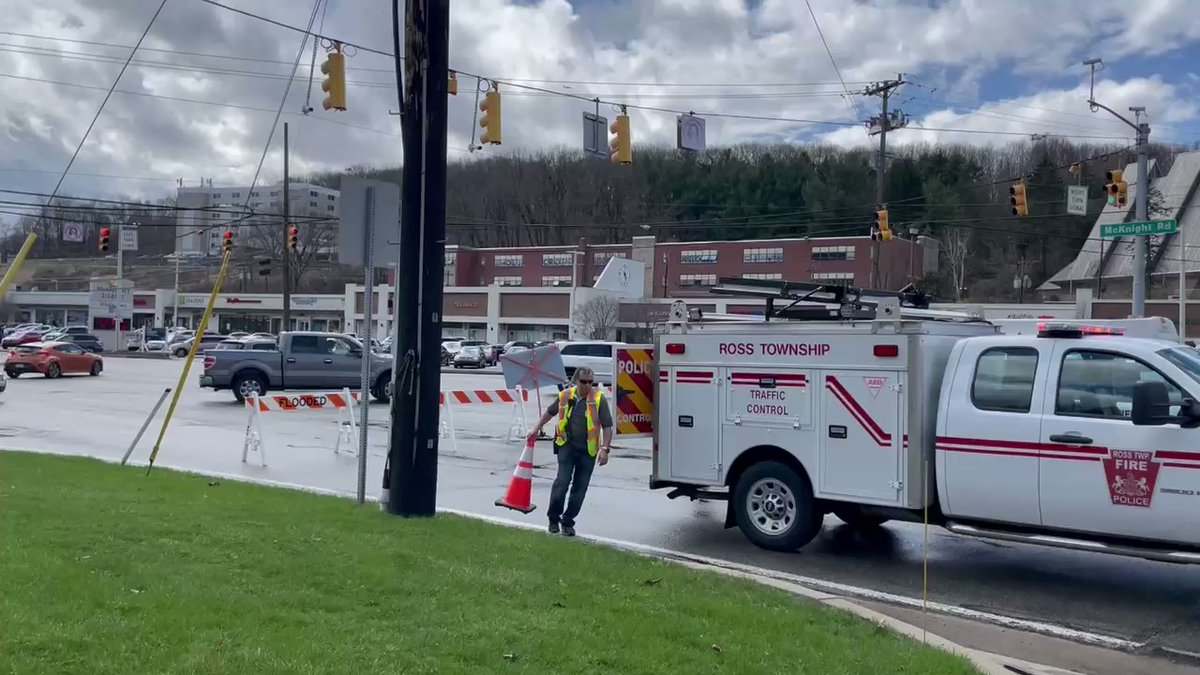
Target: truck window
[(306, 344), (1004, 379), (1100, 384)]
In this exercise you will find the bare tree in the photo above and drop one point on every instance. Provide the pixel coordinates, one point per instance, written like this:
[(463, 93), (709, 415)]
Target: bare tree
[(597, 318), (958, 251)]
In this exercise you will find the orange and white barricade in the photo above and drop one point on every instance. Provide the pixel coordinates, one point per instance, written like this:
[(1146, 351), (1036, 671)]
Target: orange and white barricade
[(449, 400), (342, 402)]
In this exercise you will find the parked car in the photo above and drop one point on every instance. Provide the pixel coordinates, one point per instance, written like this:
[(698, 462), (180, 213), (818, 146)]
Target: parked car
[(52, 359), (471, 356), (493, 353), (596, 355), (303, 360), (207, 341), (86, 341), (3, 382), (24, 337)]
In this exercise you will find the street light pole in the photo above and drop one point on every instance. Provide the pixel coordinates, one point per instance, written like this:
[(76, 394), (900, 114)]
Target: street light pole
[(1142, 198)]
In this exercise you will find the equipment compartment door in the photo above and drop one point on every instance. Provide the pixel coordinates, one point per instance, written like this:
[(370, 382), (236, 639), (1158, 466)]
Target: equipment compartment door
[(860, 435), (694, 423)]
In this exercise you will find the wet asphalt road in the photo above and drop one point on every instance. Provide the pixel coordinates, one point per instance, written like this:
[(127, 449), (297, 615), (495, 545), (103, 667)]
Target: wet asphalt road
[(1144, 602)]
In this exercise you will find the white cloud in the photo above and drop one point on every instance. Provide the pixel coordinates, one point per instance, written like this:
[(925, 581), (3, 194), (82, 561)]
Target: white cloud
[(629, 51)]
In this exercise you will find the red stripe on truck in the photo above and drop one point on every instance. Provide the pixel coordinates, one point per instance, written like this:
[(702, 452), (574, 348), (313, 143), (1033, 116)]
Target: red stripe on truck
[(868, 423)]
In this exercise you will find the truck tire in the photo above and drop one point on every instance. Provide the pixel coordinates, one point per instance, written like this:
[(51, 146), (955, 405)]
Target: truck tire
[(852, 515), (382, 391), (248, 383), (774, 507)]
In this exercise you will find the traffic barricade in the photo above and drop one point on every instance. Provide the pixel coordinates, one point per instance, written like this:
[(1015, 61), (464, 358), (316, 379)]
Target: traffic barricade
[(342, 402), (517, 423)]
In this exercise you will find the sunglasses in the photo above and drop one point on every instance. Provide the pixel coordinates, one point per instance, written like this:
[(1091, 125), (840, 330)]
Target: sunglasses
[(585, 381)]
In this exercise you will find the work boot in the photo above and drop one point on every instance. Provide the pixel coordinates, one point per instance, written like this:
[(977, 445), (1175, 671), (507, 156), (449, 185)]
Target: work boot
[(553, 528), (568, 530)]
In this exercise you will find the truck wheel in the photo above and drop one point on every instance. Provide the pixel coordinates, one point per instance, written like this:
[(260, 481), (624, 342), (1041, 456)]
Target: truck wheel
[(852, 515), (774, 507), (382, 391), (248, 384)]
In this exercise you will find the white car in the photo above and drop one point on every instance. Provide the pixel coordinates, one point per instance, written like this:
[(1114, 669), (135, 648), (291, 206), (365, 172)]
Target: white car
[(594, 354)]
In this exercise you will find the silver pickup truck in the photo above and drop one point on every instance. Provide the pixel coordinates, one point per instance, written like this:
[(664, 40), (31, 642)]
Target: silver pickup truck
[(301, 361)]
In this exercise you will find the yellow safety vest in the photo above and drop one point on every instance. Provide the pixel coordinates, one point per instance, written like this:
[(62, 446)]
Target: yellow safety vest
[(566, 400)]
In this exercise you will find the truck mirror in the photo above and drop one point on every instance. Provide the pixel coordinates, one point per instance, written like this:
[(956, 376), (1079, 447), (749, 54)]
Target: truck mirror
[(1151, 404)]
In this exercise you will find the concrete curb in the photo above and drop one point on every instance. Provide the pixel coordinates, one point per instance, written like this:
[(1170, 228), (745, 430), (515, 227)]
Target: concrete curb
[(987, 663)]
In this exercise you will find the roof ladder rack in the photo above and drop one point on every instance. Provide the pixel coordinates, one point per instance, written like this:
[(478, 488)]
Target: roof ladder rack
[(806, 301)]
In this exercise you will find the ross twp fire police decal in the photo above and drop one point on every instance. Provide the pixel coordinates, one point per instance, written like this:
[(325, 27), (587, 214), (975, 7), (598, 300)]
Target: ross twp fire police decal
[(1131, 475)]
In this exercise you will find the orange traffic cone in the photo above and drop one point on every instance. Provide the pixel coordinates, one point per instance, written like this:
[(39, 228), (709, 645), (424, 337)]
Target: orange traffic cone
[(520, 488)]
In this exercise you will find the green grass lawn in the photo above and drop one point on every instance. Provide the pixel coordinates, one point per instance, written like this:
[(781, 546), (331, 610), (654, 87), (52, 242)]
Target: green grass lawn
[(106, 570)]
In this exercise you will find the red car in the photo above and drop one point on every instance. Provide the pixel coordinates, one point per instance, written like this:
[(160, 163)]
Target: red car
[(52, 359)]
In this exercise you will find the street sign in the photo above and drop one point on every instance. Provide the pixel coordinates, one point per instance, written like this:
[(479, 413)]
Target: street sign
[(111, 298), (633, 389), (1077, 200), (72, 232), (595, 135), (1140, 228), (353, 227), (128, 240)]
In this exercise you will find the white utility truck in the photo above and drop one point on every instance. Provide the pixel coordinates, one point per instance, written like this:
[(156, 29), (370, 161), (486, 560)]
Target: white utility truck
[(847, 402)]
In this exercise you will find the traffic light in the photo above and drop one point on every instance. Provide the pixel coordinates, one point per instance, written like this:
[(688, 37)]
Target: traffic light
[(881, 225), (620, 145), (1016, 197), (334, 83), (452, 85), (1116, 188), (227, 244), (264, 267), (105, 234), (490, 120), (293, 238)]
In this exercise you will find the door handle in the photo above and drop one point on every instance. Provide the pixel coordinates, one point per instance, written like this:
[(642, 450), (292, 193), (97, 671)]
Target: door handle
[(328, 360), (291, 360), (1070, 439)]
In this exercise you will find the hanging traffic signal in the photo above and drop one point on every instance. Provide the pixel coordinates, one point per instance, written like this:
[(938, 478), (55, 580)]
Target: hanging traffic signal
[(490, 121), (227, 244), (264, 267), (881, 225), (1116, 188), (620, 145), (334, 83), (293, 238), (105, 234), (452, 85), (1016, 197)]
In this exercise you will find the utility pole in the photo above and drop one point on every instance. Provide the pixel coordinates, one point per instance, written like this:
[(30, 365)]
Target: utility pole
[(885, 122), (411, 471), (1142, 198), (286, 324)]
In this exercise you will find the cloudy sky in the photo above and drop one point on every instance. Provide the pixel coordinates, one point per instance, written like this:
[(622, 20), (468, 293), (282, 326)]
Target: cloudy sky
[(199, 99)]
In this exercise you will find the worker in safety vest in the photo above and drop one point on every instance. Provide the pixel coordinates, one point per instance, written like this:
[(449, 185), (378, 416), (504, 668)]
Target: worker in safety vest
[(582, 418)]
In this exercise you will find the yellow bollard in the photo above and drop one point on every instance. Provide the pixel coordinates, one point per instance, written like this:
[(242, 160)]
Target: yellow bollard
[(15, 268)]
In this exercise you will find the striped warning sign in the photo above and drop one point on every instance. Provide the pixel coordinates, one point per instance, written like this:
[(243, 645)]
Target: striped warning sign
[(634, 368)]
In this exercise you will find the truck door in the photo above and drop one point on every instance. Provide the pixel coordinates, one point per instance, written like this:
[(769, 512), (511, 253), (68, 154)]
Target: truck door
[(860, 435), (694, 422), (1100, 473), (989, 433)]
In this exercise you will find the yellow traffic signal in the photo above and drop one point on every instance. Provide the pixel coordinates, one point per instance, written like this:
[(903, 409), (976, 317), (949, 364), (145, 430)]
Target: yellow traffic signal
[(334, 83), (881, 225), (620, 145), (227, 245), (1016, 197), (1116, 188), (490, 120), (452, 85), (293, 238)]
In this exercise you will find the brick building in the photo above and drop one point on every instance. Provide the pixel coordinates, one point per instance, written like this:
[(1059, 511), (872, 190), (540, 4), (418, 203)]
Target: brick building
[(675, 269)]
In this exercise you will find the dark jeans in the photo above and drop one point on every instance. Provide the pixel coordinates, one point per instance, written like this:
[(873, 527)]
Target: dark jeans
[(574, 470)]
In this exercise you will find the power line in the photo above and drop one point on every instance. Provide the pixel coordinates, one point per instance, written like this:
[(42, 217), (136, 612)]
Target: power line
[(849, 98), (102, 103)]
